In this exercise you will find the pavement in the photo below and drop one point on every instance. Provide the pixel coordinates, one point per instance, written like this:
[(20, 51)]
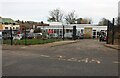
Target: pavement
[(113, 46), (85, 57), (58, 43)]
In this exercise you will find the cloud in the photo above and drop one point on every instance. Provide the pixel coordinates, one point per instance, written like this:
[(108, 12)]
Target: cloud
[(39, 9)]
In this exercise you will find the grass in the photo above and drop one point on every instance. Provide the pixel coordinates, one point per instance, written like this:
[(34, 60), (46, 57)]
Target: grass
[(30, 41)]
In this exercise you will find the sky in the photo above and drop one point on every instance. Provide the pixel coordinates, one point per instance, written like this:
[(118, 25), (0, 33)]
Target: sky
[(38, 10)]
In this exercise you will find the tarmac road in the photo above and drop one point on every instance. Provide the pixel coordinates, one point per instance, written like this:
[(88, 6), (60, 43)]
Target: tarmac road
[(84, 58)]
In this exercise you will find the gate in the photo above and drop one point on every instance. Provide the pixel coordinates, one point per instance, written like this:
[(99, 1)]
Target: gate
[(113, 32)]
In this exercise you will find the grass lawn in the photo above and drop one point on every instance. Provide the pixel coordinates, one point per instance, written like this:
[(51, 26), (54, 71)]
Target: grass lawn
[(30, 41)]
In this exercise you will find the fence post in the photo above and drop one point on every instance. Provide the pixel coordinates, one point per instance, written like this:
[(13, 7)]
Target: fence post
[(11, 38), (74, 32), (63, 32), (113, 31), (25, 37)]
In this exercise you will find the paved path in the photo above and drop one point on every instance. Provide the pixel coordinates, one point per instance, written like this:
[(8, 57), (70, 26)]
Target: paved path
[(84, 58)]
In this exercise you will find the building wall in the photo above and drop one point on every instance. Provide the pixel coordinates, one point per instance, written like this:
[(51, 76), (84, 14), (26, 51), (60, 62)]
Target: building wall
[(14, 27), (1, 27), (80, 29)]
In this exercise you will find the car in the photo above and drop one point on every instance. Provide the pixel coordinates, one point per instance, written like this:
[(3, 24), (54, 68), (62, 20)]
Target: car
[(28, 36), (104, 38), (37, 35), (68, 35), (18, 37), (53, 35), (81, 36)]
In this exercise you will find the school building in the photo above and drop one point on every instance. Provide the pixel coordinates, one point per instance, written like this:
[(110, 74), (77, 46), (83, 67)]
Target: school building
[(89, 30)]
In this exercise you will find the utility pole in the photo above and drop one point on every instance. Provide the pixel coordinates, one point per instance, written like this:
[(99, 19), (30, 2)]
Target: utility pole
[(113, 31)]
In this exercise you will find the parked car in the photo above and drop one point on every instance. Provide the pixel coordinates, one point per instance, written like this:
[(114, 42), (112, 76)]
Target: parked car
[(81, 36), (68, 35), (6, 36), (54, 35), (104, 38), (37, 35), (28, 36), (18, 37)]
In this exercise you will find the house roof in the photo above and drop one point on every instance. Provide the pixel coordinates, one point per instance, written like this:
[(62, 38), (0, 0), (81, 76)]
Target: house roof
[(42, 25), (7, 20)]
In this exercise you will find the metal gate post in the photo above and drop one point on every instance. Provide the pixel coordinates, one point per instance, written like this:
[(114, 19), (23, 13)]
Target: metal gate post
[(113, 31), (11, 38), (108, 32)]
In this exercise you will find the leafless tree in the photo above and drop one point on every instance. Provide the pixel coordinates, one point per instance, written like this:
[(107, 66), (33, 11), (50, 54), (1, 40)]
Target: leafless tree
[(103, 21), (56, 15), (84, 21), (71, 18)]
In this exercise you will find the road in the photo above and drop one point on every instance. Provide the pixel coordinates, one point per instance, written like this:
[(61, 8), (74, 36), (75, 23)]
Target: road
[(84, 58)]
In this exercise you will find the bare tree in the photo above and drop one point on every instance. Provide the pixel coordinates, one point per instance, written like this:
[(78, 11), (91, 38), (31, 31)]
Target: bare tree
[(56, 15), (84, 21), (103, 21), (71, 18)]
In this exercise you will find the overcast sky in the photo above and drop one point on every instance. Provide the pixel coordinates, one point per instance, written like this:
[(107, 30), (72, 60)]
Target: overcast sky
[(38, 10)]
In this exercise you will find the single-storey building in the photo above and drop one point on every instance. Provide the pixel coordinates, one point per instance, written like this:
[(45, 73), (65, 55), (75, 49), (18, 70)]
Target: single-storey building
[(86, 29)]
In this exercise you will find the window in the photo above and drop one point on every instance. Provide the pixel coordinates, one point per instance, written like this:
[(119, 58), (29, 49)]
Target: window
[(82, 31), (13, 28), (71, 31), (98, 33), (17, 28), (67, 30), (94, 33), (6, 27), (60, 30), (13, 23)]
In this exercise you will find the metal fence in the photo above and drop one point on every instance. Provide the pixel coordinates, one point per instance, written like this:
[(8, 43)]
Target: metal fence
[(113, 33), (27, 38)]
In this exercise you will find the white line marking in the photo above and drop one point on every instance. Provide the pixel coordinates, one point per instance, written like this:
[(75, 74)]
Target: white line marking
[(44, 56)]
